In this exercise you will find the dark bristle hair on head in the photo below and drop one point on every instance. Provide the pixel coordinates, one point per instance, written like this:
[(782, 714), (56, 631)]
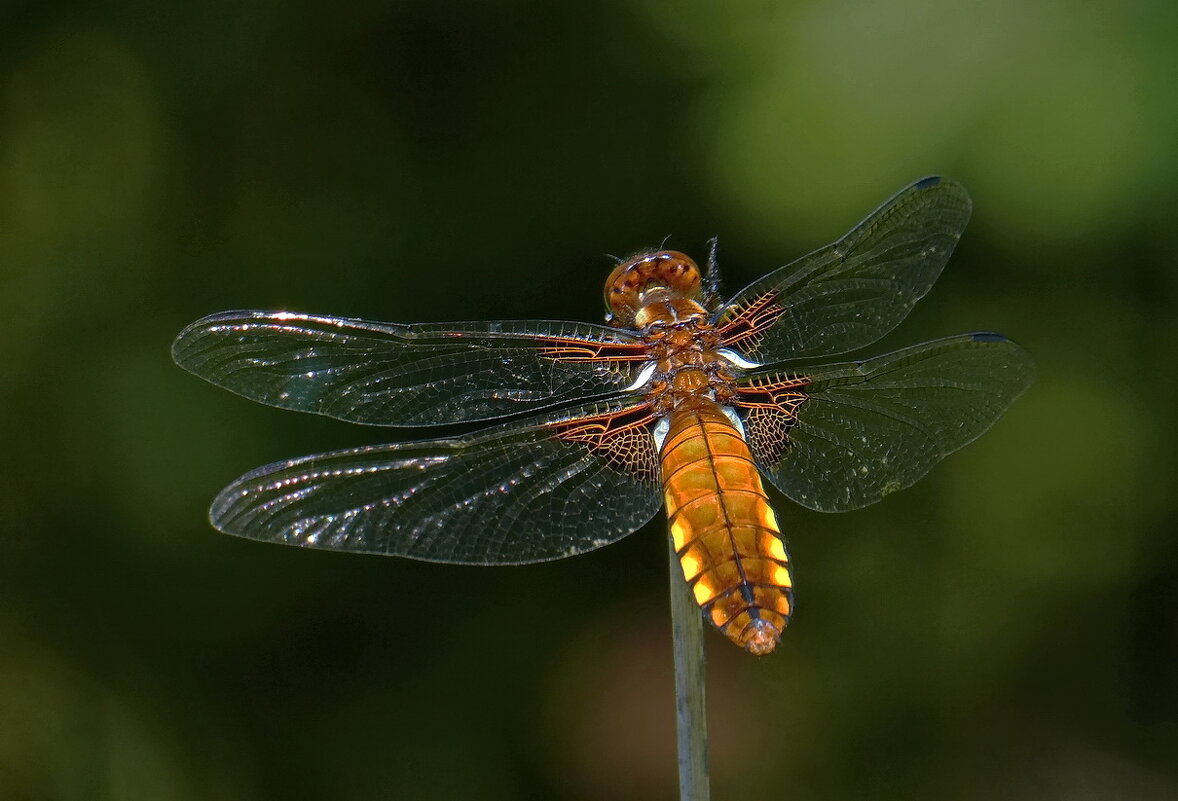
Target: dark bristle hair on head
[(711, 288)]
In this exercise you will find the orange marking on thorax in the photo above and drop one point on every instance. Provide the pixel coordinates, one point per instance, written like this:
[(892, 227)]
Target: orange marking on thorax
[(723, 527)]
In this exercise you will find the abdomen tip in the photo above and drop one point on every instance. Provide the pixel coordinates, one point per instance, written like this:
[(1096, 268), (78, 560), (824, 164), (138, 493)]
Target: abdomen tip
[(761, 637)]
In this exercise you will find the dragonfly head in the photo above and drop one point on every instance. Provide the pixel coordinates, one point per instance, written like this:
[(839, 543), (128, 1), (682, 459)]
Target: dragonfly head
[(667, 275)]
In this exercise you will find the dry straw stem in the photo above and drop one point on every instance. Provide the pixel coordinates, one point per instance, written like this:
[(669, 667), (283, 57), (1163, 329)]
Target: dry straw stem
[(687, 634)]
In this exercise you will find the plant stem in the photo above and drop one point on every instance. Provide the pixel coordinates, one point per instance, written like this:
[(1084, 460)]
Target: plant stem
[(687, 634)]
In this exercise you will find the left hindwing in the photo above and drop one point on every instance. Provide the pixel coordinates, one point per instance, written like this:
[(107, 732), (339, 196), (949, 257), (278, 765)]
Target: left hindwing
[(841, 436), (527, 491)]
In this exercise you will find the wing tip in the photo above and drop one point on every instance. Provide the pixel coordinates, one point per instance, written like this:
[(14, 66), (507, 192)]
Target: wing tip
[(179, 349), (943, 184), (198, 329), (987, 336)]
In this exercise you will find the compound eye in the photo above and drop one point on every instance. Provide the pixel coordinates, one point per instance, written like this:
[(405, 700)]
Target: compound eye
[(680, 273), (622, 293)]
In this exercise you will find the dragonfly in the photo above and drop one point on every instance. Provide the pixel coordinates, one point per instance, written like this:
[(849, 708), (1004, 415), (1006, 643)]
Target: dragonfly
[(681, 400)]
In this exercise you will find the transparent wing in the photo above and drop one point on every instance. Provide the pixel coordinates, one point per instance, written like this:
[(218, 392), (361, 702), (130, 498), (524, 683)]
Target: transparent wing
[(849, 294), (842, 436), (526, 491), (406, 375)]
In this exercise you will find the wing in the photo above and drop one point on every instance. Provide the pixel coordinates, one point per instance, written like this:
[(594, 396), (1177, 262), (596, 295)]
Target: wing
[(526, 491), (842, 436), (406, 375), (849, 294)]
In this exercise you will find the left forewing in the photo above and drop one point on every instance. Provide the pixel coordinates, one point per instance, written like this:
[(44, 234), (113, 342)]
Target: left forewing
[(407, 375)]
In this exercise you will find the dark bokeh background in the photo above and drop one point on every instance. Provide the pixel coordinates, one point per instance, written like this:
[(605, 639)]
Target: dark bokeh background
[(1008, 628)]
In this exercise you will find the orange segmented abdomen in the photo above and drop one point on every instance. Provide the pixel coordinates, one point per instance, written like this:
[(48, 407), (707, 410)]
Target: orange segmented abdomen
[(723, 528)]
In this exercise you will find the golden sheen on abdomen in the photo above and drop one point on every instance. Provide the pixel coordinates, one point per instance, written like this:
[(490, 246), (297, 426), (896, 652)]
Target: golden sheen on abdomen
[(723, 528)]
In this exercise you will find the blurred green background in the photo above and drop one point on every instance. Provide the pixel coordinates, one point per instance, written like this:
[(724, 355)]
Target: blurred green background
[(1007, 628)]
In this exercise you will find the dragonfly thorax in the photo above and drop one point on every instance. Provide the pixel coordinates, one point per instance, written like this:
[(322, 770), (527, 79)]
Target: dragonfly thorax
[(686, 358)]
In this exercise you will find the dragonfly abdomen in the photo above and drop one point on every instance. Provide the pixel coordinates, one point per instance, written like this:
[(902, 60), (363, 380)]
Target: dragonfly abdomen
[(723, 528)]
